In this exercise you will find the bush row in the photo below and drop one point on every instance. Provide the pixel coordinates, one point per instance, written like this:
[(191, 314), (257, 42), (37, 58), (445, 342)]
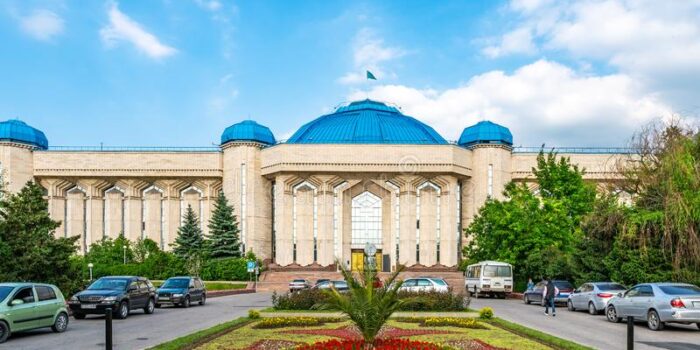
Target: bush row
[(296, 321), (425, 301)]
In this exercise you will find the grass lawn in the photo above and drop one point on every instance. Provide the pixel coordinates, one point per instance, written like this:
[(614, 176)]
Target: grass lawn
[(241, 334), (213, 285)]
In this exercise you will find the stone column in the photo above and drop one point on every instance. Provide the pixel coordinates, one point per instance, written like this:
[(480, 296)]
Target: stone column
[(283, 221), (407, 246)]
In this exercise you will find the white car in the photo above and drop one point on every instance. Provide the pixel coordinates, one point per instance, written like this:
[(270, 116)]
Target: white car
[(299, 284), (424, 284)]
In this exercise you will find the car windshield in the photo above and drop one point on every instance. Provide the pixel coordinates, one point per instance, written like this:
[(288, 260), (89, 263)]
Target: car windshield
[(563, 285), (610, 286), (110, 284), (5, 291), (176, 283), (680, 289), (496, 271), (341, 284), (439, 281)]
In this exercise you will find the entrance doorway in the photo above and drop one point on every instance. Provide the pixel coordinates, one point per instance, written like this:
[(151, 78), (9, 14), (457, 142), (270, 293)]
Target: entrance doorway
[(358, 260)]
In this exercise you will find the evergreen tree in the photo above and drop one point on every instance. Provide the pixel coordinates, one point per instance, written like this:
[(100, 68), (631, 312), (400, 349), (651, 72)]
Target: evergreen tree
[(223, 241), (189, 239), (28, 249)]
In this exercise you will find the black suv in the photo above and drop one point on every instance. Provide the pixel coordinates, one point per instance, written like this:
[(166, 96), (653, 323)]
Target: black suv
[(120, 293), (181, 291)]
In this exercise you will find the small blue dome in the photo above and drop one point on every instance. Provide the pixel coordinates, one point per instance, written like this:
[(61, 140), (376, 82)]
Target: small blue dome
[(248, 130), (366, 122), (17, 131), (486, 132)]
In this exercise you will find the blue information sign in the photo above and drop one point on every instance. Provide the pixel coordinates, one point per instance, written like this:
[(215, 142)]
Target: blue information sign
[(251, 266)]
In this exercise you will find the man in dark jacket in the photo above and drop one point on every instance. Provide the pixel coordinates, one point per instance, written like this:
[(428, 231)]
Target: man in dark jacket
[(550, 291)]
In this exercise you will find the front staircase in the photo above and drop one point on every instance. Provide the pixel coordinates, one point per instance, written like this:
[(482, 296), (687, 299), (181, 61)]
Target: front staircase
[(278, 280)]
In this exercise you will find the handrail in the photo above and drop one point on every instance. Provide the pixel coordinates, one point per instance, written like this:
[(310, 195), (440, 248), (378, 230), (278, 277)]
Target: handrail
[(133, 149), (577, 150)]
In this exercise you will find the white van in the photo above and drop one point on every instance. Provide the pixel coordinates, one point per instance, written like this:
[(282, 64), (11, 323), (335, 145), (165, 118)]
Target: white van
[(489, 277)]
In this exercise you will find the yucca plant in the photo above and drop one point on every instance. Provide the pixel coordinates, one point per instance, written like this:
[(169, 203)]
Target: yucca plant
[(366, 306)]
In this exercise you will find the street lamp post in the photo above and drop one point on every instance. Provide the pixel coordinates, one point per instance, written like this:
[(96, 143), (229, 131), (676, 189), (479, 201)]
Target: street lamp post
[(90, 265)]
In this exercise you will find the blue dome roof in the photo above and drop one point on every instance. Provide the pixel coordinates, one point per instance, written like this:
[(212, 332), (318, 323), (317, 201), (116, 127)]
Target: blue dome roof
[(248, 130), (366, 122), (17, 131), (486, 132)]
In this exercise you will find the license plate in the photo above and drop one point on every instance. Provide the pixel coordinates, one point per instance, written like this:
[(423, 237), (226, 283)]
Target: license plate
[(696, 304), (496, 284), (88, 306), (164, 298)]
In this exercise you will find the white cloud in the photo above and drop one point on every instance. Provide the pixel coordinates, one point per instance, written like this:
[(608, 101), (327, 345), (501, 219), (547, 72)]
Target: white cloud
[(211, 5), (370, 53), (541, 102), (518, 41), (123, 28), (42, 24)]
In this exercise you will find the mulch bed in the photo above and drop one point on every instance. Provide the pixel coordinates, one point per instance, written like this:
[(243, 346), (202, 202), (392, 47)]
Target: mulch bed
[(269, 344)]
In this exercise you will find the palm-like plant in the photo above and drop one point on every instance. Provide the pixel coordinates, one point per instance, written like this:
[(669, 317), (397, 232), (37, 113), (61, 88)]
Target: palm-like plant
[(368, 306)]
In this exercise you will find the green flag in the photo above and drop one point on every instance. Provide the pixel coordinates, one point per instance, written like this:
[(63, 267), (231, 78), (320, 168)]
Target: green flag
[(371, 76)]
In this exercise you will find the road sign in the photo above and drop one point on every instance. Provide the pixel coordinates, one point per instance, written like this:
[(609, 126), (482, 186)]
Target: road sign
[(370, 249), (251, 266)]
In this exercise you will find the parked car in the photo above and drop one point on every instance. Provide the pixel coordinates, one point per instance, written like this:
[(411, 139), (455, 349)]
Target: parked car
[(424, 284), (122, 294), (25, 306), (534, 295), (340, 286), (319, 281), (181, 291), (299, 284), (489, 277), (593, 296), (657, 304)]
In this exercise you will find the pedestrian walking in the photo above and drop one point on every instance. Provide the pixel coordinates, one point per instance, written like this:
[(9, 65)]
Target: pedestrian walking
[(548, 294)]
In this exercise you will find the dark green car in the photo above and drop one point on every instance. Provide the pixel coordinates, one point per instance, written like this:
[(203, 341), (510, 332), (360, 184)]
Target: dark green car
[(25, 306)]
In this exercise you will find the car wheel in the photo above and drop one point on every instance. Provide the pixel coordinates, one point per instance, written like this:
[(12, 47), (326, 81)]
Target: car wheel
[(654, 322), (591, 308), (186, 303), (526, 299), (611, 314), (123, 310), (570, 305), (149, 307), (204, 300), (61, 323), (4, 331)]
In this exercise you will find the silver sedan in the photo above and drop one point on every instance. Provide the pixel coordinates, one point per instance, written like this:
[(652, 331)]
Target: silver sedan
[(593, 296), (657, 304)]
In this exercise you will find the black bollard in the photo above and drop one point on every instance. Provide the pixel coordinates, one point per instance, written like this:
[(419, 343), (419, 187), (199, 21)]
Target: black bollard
[(108, 328), (630, 333)]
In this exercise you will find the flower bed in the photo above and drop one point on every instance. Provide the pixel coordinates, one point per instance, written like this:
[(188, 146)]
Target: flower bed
[(350, 333), (380, 344), (298, 321), (452, 322)]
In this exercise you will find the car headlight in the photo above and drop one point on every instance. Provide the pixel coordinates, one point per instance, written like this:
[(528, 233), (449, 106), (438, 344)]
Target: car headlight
[(74, 298), (177, 295), (112, 298)]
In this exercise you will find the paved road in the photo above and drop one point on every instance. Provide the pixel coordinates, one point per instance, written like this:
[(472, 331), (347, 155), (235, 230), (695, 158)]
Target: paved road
[(594, 331), (140, 331)]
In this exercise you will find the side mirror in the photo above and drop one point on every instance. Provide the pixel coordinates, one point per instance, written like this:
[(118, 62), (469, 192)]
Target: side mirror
[(16, 302)]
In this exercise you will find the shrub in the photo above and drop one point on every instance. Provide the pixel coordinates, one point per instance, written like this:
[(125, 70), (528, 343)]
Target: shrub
[(435, 301), (452, 322), (298, 321), (486, 313), (253, 314), (380, 344), (300, 300)]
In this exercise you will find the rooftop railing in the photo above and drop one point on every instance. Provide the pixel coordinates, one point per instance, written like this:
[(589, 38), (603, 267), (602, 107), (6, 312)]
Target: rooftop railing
[(577, 150), (132, 149)]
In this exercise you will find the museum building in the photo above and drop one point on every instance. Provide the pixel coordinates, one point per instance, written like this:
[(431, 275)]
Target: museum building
[(365, 174)]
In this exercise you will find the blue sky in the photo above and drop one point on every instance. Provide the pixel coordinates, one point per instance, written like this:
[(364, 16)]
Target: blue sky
[(177, 72)]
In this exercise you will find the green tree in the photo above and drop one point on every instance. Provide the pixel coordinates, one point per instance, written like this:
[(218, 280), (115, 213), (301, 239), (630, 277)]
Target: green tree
[(369, 308), (110, 251), (535, 232), (223, 237), (29, 251), (189, 244)]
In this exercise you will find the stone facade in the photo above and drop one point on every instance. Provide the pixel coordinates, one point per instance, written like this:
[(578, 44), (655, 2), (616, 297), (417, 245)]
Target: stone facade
[(297, 204)]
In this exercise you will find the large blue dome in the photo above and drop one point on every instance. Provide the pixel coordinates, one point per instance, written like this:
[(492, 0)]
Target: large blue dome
[(486, 132), (17, 131), (248, 130), (366, 122)]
